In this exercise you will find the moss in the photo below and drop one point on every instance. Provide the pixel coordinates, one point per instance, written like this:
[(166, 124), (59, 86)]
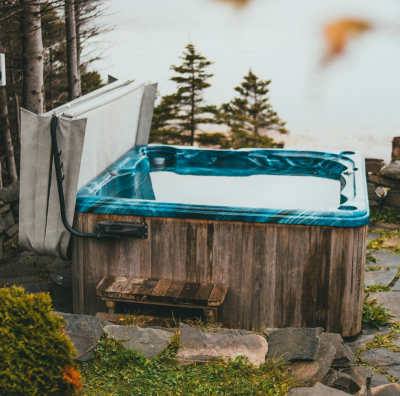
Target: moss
[(35, 355), (118, 371)]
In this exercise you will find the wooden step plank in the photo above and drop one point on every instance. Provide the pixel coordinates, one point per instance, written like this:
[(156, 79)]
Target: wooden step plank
[(146, 287), (116, 288), (217, 295), (189, 291), (203, 292), (104, 284), (161, 288), (131, 288), (175, 289)]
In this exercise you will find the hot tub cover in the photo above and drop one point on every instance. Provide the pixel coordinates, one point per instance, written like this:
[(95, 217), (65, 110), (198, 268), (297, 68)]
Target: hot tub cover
[(93, 132)]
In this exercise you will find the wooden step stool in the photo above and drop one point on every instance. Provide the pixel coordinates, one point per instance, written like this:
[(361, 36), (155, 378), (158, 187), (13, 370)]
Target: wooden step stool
[(205, 296)]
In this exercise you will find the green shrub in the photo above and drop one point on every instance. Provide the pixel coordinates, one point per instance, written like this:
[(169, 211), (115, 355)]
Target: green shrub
[(375, 314), (35, 355)]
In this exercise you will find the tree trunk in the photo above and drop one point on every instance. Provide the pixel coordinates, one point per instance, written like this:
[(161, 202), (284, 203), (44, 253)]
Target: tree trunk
[(72, 57), (6, 136), (78, 24), (32, 50)]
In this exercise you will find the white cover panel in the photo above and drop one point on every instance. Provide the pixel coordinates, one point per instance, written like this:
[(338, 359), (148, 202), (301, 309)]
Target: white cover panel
[(93, 132)]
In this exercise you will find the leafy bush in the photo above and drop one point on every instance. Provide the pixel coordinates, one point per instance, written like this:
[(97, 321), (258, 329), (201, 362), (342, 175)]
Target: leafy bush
[(375, 314), (35, 355)]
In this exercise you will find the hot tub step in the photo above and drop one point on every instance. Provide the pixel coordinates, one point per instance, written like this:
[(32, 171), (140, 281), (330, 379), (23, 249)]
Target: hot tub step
[(206, 296)]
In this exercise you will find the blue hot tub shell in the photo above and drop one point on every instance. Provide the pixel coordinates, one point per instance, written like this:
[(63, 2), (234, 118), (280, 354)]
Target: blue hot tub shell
[(125, 187)]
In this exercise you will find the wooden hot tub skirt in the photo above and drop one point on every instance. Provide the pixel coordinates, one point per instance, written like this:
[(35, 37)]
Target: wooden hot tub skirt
[(278, 275)]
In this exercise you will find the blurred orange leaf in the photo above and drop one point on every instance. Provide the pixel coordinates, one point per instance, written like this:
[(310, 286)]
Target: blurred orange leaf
[(72, 376), (237, 3), (339, 33)]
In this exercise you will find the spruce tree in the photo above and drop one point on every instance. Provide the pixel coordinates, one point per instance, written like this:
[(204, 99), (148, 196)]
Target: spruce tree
[(250, 116), (163, 126), (178, 116)]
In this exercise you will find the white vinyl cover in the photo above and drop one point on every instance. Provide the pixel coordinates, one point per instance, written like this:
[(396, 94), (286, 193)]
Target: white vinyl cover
[(93, 132)]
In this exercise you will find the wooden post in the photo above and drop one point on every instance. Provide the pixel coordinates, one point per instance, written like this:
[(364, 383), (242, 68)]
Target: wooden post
[(396, 149), (111, 306), (209, 314)]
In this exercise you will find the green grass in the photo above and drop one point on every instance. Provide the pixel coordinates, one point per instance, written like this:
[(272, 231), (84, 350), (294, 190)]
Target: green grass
[(118, 371), (376, 288), (375, 314)]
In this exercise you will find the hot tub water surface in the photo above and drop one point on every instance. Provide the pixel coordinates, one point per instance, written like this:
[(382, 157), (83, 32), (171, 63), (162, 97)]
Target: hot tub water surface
[(256, 191)]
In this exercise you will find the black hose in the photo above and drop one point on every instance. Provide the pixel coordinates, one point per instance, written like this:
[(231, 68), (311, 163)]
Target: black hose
[(60, 178)]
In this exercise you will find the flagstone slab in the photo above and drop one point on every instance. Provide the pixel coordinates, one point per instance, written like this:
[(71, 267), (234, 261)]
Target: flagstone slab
[(392, 242), (396, 286), (384, 259), (385, 277)]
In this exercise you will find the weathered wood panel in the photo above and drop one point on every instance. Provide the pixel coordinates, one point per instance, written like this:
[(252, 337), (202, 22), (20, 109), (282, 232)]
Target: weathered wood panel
[(278, 275)]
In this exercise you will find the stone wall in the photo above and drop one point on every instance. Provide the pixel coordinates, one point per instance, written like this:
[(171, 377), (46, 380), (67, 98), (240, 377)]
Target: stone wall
[(383, 184), (9, 217)]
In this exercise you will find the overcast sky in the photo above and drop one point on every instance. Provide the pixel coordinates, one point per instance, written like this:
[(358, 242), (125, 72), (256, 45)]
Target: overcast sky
[(352, 104)]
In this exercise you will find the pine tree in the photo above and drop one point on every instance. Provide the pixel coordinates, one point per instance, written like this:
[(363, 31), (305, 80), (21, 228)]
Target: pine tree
[(178, 116), (250, 116), (164, 128)]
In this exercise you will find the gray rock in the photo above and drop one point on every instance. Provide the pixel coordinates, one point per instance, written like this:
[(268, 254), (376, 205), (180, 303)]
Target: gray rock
[(317, 369), (396, 342), (390, 300), (19, 279), (386, 390), (294, 343), (340, 381), (12, 231), (10, 193), (269, 330), (368, 329), (8, 243), (317, 390), (15, 209), (6, 222), (38, 287), (344, 356), (58, 265), (384, 358), (150, 342), (14, 269), (360, 342), (383, 276), (392, 171), (198, 346), (362, 376), (396, 286), (234, 332), (4, 209), (371, 236), (9, 218), (378, 380), (84, 331), (62, 278), (393, 198), (394, 370)]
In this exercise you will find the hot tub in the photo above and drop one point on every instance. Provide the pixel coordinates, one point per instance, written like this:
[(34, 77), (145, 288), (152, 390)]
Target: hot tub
[(285, 230)]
